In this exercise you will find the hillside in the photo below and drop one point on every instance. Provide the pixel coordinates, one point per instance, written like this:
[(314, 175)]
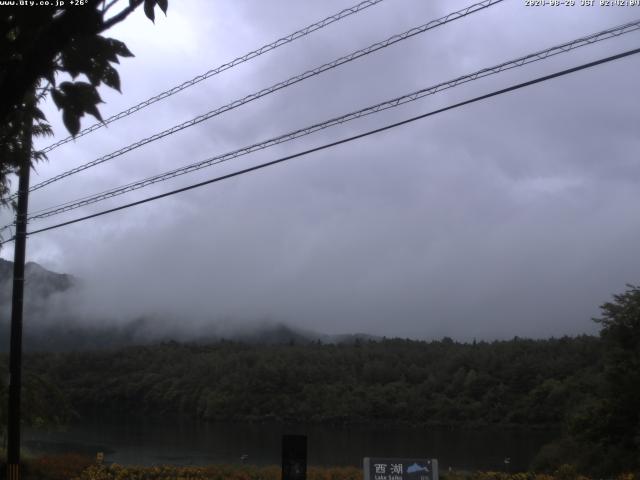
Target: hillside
[(517, 382), (67, 332), (40, 283)]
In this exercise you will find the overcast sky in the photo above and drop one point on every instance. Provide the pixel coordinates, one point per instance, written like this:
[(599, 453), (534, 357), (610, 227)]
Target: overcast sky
[(515, 216)]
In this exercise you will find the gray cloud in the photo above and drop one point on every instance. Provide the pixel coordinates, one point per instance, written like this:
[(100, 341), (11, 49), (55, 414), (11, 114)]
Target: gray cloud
[(516, 216)]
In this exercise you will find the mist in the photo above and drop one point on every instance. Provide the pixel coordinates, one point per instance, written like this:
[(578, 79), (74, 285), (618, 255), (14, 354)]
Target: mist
[(512, 217)]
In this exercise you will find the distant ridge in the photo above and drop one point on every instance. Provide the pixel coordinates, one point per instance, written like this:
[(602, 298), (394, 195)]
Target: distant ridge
[(66, 333), (62, 333), (40, 282), (281, 334)]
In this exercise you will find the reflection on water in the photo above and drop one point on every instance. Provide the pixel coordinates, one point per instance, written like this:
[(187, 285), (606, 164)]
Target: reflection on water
[(188, 443)]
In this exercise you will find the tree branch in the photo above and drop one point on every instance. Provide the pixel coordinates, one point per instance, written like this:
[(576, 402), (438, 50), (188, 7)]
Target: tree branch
[(106, 8), (120, 16)]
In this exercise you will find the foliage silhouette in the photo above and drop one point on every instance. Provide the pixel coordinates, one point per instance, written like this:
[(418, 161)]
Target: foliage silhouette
[(38, 44)]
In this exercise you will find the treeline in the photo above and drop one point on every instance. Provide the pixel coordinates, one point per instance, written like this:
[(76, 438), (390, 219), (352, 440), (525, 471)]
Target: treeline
[(516, 382)]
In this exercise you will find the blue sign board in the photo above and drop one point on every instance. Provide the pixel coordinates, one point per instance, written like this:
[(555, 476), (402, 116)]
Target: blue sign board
[(400, 469)]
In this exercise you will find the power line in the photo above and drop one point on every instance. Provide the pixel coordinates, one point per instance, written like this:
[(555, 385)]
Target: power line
[(226, 66), (278, 86), (345, 140), (518, 62)]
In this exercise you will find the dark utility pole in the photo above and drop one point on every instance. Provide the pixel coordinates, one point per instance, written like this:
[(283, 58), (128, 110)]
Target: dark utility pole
[(15, 355), (294, 457)]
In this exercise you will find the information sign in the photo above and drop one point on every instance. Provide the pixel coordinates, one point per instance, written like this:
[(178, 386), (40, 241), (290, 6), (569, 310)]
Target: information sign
[(400, 469)]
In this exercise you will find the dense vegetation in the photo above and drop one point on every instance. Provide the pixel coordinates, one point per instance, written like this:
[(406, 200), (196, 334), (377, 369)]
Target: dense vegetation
[(314, 473), (588, 385), (523, 382), (76, 467)]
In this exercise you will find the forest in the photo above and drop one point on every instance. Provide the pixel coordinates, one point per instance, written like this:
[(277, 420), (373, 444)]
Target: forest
[(516, 382), (586, 386), (525, 383)]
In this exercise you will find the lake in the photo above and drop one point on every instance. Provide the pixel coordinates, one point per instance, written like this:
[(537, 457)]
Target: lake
[(189, 443)]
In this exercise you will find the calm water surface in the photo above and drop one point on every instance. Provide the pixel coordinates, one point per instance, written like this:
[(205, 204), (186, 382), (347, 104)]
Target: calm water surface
[(188, 443)]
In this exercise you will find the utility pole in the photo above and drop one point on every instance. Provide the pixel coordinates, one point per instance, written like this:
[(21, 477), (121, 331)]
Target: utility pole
[(15, 355)]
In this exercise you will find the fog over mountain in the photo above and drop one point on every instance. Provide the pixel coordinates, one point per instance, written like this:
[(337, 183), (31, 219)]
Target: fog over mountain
[(55, 321), (514, 216)]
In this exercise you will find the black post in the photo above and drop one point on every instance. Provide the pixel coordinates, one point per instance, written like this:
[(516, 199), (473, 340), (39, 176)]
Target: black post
[(15, 355), (294, 457)]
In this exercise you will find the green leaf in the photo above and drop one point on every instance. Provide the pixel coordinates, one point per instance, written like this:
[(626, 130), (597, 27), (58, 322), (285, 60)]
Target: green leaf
[(120, 47), (105, 49), (76, 57), (81, 97), (95, 76), (58, 98), (71, 121), (91, 55), (93, 110), (81, 92), (37, 114), (111, 78), (163, 4), (148, 9)]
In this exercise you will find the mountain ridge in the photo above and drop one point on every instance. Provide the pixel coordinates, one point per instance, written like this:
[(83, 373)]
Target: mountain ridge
[(68, 333), (40, 281)]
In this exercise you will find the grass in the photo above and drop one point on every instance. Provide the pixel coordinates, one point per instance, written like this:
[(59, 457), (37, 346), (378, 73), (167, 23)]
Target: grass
[(80, 467)]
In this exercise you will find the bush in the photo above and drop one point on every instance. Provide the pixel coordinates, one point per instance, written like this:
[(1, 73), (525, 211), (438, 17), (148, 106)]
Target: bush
[(56, 467)]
